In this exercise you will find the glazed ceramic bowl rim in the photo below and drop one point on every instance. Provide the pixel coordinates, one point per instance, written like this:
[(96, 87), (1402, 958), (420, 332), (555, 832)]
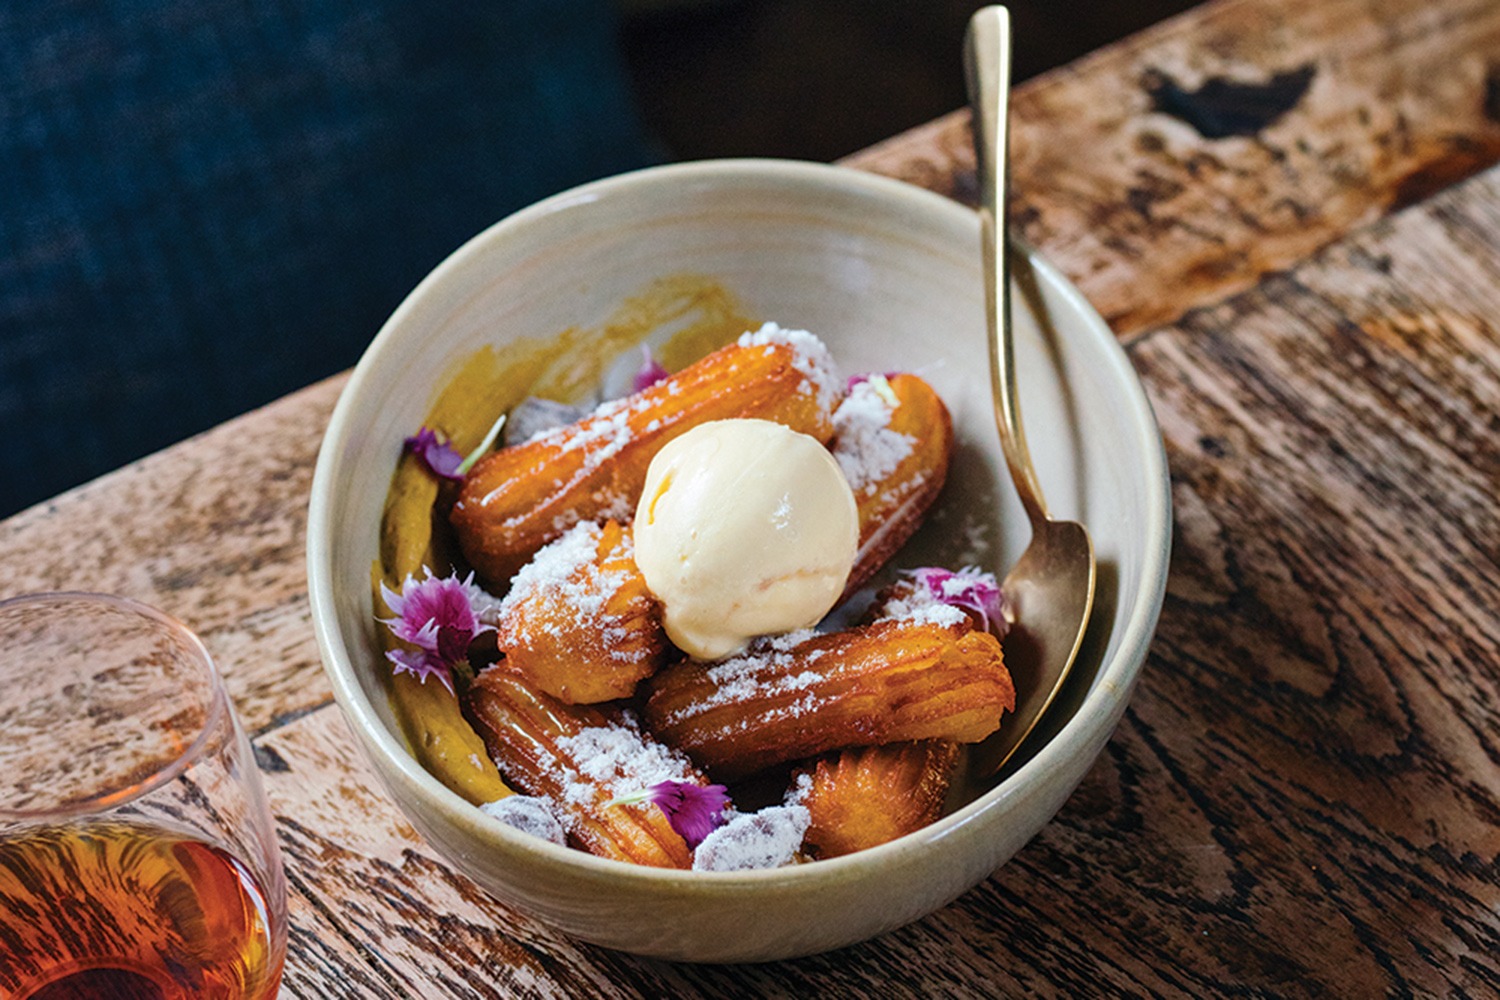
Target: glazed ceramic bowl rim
[(1111, 684)]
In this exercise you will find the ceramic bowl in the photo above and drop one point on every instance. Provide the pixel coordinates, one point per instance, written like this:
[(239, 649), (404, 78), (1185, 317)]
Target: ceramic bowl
[(888, 276)]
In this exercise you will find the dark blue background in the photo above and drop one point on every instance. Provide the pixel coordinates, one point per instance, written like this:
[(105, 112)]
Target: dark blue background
[(205, 204)]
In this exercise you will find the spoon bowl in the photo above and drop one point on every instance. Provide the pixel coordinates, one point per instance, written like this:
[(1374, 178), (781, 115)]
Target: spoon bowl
[(1051, 587)]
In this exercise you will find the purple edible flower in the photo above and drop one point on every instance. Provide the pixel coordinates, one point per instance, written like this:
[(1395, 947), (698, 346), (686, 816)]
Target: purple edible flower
[(440, 616), (694, 811), (421, 664), (649, 373), (438, 456), (968, 589)]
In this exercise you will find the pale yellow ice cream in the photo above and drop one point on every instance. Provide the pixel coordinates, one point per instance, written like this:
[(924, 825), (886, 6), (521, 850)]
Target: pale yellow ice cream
[(744, 528)]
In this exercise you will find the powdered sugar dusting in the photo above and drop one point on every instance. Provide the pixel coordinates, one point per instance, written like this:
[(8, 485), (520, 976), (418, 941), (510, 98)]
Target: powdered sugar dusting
[(763, 670), (801, 788), (809, 356), (617, 507), (601, 435), (556, 562), (769, 838), (567, 577), (534, 417), (865, 446), (529, 814), (618, 759), (977, 545), (921, 607)]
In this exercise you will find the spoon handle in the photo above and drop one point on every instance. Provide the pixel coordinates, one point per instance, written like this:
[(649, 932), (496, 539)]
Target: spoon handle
[(987, 72)]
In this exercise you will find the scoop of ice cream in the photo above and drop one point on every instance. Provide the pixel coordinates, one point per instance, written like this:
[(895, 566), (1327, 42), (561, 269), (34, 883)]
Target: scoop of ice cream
[(744, 528)]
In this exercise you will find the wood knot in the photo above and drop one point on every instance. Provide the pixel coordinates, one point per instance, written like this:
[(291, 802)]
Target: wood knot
[(1221, 108)]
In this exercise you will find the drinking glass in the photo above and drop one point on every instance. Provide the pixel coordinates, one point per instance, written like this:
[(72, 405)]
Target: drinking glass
[(137, 854)]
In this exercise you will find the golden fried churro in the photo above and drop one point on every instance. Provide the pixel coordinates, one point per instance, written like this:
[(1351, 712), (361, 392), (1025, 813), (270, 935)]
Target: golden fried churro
[(893, 438), (578, 758), (579, 622), (518, 499), (865, 796), (929, 676)]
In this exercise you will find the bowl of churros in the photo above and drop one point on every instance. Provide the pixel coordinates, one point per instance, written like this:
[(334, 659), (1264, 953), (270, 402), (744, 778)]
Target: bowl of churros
[(653, 553)]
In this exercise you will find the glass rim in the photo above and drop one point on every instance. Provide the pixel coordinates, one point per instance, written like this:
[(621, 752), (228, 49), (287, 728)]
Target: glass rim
[(218, 709)]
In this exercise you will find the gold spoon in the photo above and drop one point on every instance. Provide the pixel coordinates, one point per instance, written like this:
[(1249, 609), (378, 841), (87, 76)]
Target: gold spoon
[(1051, 587)]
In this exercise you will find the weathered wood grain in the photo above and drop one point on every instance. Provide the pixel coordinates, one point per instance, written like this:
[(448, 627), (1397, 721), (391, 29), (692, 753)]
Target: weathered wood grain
[(1304, 798), (376, 913), (1390, 101), (374, 896), (1325, 692), (212, 531)]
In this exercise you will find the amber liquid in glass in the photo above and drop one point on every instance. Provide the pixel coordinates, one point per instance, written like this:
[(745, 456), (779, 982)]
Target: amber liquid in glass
[(119, 910)]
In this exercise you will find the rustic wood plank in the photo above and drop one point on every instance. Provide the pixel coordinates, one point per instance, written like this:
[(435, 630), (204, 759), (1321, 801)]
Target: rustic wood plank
[(376, 912), (212, 531), (1326, 679), (1390, 101), (216, 525), (1304, 798)]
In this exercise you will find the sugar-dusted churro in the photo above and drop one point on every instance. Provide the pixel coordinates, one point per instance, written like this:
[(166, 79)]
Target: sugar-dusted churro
[(928, 676), (578, 758), (893, 438), (579, 622), (518, 499)]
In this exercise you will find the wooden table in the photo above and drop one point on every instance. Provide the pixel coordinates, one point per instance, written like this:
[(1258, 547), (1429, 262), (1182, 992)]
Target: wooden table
[(1304, 796)]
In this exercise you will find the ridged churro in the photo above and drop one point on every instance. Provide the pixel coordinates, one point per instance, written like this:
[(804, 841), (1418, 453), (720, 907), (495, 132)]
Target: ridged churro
[(579, 622), (930, 676), (865, 796), (518, 499), (893, 438), (577, 759)]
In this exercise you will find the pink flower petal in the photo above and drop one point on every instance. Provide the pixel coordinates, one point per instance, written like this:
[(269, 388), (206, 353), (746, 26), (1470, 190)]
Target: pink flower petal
[(649, 373), (968, 589), (421, 665), (438, 456), (694, 811), (424, 607), (441, 617)]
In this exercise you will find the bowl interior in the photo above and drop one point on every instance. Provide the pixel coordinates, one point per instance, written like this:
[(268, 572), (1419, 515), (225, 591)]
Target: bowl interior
[(888, 276)]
